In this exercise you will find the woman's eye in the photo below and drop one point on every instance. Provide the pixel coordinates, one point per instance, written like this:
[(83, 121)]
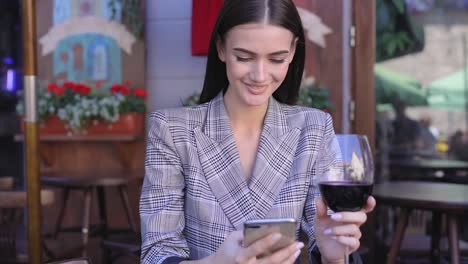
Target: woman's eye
[(278, 61), (242, 59)]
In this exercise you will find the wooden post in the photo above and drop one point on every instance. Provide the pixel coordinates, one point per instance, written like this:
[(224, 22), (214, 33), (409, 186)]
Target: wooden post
[(31, 131)]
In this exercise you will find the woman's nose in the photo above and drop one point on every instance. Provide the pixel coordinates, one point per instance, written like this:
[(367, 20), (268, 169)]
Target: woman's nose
[(258, 73)]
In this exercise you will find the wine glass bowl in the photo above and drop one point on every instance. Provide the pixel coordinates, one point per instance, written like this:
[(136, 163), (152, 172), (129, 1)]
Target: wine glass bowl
[(348, 183)]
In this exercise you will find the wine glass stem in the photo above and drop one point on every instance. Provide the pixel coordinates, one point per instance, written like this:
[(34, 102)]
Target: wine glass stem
[(346, 256)]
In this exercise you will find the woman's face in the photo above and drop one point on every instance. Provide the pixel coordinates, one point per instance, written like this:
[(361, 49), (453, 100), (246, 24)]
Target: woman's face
[(257, 58)]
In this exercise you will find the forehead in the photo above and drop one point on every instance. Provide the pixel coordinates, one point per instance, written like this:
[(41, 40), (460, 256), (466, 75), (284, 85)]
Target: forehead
[(259, 37)]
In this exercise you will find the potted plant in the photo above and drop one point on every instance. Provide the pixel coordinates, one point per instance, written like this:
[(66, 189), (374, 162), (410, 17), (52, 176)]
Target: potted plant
[(78, 108), (311, 95)]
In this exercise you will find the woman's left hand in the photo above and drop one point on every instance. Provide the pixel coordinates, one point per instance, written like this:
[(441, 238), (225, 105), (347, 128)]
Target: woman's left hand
[(335, 232)]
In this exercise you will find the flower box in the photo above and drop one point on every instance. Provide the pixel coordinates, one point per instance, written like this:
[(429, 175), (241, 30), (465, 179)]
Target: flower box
[(128, 123), (52, 125), (77, 108)]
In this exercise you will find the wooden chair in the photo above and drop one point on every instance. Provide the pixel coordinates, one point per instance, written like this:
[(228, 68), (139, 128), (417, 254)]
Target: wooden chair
[(12, 233), (87, 183), (6, 183)]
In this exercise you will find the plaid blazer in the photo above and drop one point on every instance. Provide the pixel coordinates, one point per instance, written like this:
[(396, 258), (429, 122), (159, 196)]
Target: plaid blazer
[(194, 192)]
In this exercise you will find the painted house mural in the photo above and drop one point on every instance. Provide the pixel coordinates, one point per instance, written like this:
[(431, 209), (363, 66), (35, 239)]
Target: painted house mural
[(86, 43)]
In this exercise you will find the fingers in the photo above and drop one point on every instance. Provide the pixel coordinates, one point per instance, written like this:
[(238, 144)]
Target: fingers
[(370, 204), (358, 218), (321, 208), (350, 230), (237, 236), (260, 246), (351, 242), (286, 255)]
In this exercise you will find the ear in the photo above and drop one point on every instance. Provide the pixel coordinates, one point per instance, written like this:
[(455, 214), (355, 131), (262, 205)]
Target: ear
[(221, 50), (293, 49)]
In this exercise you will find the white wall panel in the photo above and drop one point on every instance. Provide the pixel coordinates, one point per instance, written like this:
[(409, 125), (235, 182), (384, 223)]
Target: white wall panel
[(173, 73)]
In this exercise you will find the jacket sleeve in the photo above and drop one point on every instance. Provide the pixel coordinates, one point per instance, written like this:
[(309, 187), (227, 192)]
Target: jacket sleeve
[(319, 166), (162, 197)]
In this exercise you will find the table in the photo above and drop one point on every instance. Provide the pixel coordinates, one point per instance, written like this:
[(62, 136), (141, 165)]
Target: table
[(440, 198), (454, 171)]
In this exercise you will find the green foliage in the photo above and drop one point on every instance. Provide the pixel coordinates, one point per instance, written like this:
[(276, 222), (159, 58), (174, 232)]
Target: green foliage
[(393, 42), (316, 97), (192, 100), (132, 16), (396, 33), (132, 103)]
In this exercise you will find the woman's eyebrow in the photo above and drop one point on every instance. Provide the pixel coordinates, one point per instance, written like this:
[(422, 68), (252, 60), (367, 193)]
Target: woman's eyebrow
[(253, 53)]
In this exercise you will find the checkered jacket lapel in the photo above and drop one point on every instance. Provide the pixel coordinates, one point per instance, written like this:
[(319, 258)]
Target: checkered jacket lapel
[(221, 164), (278, 143)]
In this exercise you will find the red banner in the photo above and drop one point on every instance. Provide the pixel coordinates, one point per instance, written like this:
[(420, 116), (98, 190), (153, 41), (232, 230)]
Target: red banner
[(204, 13)]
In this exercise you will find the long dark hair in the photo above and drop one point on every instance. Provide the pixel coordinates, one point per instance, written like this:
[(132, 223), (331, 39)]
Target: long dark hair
[(281, 13)]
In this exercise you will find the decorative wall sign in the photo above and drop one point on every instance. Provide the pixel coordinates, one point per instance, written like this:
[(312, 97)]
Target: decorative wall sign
[(85, 43), (316, 30), (90, 24)]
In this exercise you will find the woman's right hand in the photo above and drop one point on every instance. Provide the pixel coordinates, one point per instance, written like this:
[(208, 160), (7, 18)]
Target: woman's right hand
[(232, 252)]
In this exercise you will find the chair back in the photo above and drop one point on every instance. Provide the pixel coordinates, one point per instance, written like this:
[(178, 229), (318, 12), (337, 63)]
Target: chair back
[(6, 183)]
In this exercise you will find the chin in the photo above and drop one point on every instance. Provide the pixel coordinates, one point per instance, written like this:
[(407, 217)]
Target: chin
[(257, 100)]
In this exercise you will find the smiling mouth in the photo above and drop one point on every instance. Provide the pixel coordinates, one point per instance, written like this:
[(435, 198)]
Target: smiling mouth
[(256, 87)]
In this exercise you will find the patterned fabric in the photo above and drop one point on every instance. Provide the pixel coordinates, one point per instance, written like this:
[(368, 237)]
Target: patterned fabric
[(194, 193)]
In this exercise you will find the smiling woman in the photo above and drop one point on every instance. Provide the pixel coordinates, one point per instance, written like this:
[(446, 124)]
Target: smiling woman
[(257, 57), (247, 152)]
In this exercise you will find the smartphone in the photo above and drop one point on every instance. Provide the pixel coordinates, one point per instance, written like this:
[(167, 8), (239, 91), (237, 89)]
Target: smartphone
[(256, 229)]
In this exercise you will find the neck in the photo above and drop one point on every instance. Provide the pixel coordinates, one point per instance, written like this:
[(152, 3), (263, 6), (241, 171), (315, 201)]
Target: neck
[(245, 118)]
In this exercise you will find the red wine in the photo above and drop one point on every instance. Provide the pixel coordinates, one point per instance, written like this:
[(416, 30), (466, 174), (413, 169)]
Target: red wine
[(345, 195)]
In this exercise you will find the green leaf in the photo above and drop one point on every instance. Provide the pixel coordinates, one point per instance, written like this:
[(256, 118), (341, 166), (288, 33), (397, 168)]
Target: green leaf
[(400, 5)]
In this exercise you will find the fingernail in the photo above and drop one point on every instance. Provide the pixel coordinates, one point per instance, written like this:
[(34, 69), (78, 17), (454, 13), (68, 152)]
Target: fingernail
[(336, 216), (297, 254), (334, 237), (276, 236), (299, 245), (327, 231)]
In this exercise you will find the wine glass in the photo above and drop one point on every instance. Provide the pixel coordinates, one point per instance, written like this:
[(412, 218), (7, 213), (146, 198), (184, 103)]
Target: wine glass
[(348, 183)]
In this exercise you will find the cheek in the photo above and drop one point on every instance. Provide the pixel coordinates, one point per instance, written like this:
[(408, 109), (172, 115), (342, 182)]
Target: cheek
[(280, 72), (235, 70)]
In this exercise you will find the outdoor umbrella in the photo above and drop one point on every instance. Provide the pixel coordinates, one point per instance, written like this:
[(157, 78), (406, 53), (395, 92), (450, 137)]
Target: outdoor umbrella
[(391, 87), (449, 92)]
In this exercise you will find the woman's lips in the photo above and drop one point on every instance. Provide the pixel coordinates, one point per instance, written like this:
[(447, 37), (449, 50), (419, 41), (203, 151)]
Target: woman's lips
[(256, 89)]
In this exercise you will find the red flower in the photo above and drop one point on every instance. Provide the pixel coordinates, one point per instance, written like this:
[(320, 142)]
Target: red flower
[(140, 92), (86, 89), (69, 85), (59, 91), (98, 84), (127, 83), (51, 88), (82, 89), (125, 91), (116, 88)]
